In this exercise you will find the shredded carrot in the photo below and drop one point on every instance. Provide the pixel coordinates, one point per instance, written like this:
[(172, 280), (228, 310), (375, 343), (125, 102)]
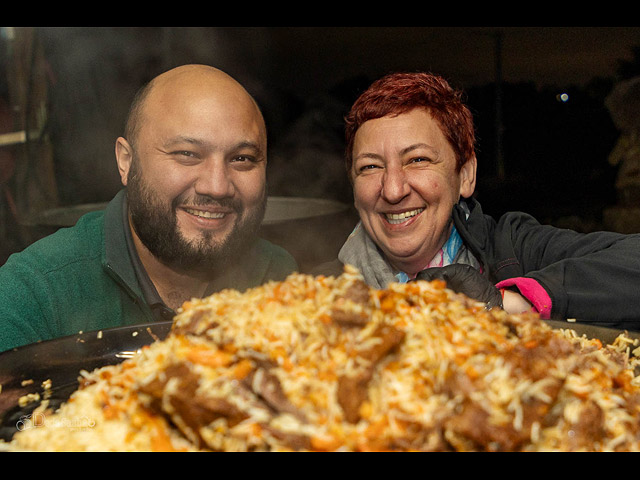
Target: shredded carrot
[(400, 323), (255, 429), (376, 428), (387, 303), (366, 410), (325, 444), (242, 369), (280, 355), (108, 410), (209, 358), (472, 373), (230, 348), (372, 445), (623, 380), (160, 441)]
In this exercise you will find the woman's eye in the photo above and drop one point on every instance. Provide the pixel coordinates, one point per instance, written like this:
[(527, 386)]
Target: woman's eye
[(364, 168)]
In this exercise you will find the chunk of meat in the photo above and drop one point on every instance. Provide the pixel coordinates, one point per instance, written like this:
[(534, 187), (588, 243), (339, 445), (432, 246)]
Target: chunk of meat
[(267, 386), (352, 389), (188, 409), (351, 393), (344, 313)]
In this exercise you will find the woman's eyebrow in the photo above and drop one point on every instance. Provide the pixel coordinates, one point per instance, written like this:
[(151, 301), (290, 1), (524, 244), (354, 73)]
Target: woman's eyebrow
[(417, 146), (374, 156), (404, 151)]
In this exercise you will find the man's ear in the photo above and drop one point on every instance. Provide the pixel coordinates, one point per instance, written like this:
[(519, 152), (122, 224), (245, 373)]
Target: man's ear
[(124, 157), (468, 177)]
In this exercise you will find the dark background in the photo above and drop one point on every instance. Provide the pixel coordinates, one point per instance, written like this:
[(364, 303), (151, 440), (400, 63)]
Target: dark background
[(535, 152)]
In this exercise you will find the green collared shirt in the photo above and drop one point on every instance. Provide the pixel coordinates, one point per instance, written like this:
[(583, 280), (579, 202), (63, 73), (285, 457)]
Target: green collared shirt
[(83, 278)]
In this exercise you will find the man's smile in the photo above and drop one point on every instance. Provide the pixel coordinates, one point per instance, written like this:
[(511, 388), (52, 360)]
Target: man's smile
[(205, 213)]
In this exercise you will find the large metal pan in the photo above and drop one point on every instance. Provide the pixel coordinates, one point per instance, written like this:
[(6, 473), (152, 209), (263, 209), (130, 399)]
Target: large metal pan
[(23, 370)]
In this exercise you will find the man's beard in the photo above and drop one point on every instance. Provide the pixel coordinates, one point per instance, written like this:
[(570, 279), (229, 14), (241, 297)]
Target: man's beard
[(156, 225)]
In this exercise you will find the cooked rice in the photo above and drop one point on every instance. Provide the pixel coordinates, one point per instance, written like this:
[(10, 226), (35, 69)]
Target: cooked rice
[(454, 377)]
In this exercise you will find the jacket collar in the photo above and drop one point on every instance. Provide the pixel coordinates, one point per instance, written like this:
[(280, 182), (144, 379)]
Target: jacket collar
[(472, 227), (117, 254), (120, 257)]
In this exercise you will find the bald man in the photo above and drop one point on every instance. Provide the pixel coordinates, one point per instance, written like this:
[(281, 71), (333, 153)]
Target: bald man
[(193, 163)]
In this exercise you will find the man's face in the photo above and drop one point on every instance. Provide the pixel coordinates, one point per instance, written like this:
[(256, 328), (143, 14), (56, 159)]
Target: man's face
[(197, 180)]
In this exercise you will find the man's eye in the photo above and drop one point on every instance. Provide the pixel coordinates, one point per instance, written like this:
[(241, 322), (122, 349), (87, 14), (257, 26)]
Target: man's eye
[(365, 168), (183, 153), (245, 162), (247, 159)]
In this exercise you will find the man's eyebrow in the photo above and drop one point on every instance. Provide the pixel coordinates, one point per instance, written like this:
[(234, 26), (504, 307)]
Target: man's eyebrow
[(182, 139), (241, 145), (247, 144)]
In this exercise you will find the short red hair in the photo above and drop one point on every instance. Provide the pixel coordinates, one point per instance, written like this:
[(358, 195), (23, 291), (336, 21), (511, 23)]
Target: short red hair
[(399, 93)]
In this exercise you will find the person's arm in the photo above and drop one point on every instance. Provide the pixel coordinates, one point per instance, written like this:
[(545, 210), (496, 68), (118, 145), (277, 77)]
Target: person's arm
[(590, 277), (22, 319)]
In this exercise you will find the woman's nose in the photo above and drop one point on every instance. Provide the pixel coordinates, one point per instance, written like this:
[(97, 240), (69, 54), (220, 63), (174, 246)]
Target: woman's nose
[(215, 180), (394, 185)]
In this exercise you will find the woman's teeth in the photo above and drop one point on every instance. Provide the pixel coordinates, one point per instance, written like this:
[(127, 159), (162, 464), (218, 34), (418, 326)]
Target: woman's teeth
[(395, 218), (203, 214)]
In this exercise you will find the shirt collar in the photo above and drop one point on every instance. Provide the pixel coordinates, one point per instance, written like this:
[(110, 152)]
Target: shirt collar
[(149, 291)]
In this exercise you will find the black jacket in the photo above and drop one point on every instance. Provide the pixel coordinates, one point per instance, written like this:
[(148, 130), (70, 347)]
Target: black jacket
[(592, 277)]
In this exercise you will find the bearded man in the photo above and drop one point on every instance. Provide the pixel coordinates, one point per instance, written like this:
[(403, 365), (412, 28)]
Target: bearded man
[(193, 161)]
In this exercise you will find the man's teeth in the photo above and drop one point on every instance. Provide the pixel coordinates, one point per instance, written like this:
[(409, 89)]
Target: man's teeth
[(203, 214), (401, 217)]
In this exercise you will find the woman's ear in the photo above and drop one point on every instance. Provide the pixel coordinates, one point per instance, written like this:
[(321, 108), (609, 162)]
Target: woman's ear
[(124, 157), (468, 177)]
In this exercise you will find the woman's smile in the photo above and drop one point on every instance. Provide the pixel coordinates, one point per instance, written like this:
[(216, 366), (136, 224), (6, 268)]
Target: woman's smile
[(402, 217)]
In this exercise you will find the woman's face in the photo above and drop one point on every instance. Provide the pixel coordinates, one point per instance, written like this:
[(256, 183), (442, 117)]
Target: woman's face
[(405, 186)]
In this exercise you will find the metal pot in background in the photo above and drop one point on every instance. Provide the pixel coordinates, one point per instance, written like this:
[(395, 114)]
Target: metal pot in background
[(311, 229)]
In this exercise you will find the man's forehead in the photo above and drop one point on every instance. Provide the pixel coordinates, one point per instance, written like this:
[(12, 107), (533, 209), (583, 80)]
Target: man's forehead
[(195, 116)]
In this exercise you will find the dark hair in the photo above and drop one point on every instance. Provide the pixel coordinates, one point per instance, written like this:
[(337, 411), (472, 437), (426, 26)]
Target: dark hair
[(399, 93)]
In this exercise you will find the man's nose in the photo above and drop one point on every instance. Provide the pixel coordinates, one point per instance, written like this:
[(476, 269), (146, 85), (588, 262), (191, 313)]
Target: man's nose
[(214, 179), (395, 185)]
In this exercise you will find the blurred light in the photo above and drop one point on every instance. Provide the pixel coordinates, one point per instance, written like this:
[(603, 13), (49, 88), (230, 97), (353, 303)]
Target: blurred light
[(562, 97)]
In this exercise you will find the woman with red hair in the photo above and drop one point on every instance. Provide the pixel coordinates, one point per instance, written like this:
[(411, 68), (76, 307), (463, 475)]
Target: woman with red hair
[(411, 160)]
